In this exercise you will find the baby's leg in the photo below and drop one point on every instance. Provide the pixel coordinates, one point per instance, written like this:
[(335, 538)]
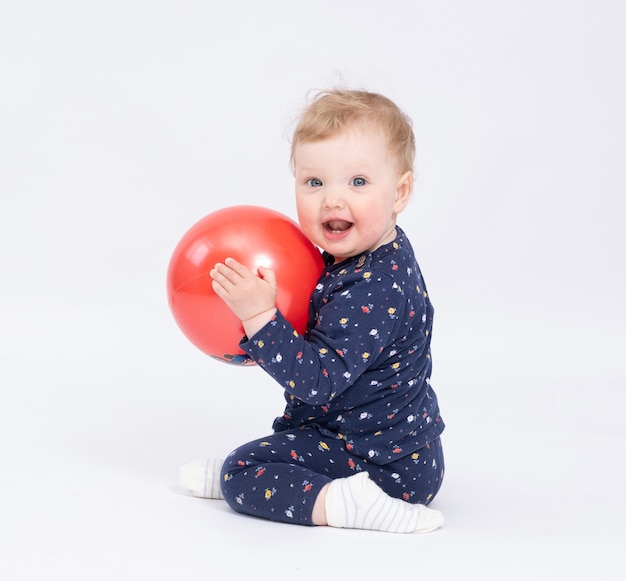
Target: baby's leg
[(416, 478), (280, 477), (203, 478)]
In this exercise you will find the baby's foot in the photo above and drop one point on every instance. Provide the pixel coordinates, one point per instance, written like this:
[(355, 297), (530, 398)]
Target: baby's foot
[(202, 478), (357, 502)]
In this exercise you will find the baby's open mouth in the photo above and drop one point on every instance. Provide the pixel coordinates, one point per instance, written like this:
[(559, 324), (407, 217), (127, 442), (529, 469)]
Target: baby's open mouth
[(337, 225)]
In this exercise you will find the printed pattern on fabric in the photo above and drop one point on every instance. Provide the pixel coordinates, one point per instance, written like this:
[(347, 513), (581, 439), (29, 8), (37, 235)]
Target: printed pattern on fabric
[(361, 373), (279, 477)]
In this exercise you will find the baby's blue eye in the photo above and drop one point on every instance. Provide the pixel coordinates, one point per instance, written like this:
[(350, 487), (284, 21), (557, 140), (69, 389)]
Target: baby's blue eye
[(358, 182), (314, 182)]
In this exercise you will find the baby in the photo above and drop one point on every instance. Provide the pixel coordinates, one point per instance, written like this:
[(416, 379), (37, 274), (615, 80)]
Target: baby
[(358, 444)]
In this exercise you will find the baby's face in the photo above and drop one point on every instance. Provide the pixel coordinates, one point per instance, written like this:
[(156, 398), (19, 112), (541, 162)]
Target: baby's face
[(349, 191)]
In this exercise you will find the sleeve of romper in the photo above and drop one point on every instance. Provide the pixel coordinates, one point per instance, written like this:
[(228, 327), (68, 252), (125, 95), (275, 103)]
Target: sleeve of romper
[(352, 329)]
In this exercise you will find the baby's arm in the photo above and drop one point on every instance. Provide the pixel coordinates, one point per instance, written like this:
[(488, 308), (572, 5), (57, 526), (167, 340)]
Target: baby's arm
[(251, 297), (351, 331)]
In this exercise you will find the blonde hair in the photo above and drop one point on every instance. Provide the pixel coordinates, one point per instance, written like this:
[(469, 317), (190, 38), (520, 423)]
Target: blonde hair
[(334, 110)]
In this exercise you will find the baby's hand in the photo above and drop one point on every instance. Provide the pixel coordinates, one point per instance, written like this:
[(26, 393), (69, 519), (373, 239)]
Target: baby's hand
[(251, 297)]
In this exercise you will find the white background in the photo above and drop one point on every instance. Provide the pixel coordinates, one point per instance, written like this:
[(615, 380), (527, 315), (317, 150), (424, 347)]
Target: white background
[(124, 122)]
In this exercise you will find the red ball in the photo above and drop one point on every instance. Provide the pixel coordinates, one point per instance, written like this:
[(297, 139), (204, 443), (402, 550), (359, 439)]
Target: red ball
[(254, 236)]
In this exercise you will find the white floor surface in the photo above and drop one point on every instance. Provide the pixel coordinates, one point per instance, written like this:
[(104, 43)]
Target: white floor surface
[(534, 486)]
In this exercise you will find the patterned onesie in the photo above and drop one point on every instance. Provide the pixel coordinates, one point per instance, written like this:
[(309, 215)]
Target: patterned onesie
[(357, 391)]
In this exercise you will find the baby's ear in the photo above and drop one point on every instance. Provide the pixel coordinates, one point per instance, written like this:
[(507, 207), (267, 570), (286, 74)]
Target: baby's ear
[(403, 191)]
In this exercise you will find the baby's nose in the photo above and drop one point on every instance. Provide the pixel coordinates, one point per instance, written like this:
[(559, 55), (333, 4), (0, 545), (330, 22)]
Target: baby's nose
[(333, 198)]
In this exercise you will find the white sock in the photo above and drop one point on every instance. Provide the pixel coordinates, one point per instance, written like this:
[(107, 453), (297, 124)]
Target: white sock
[(202, 478), (357, 502)]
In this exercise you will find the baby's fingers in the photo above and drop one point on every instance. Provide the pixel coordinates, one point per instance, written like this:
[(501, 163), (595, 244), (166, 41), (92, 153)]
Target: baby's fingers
[(226, 272), (269, 276), (219, 278), (238, 268)]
